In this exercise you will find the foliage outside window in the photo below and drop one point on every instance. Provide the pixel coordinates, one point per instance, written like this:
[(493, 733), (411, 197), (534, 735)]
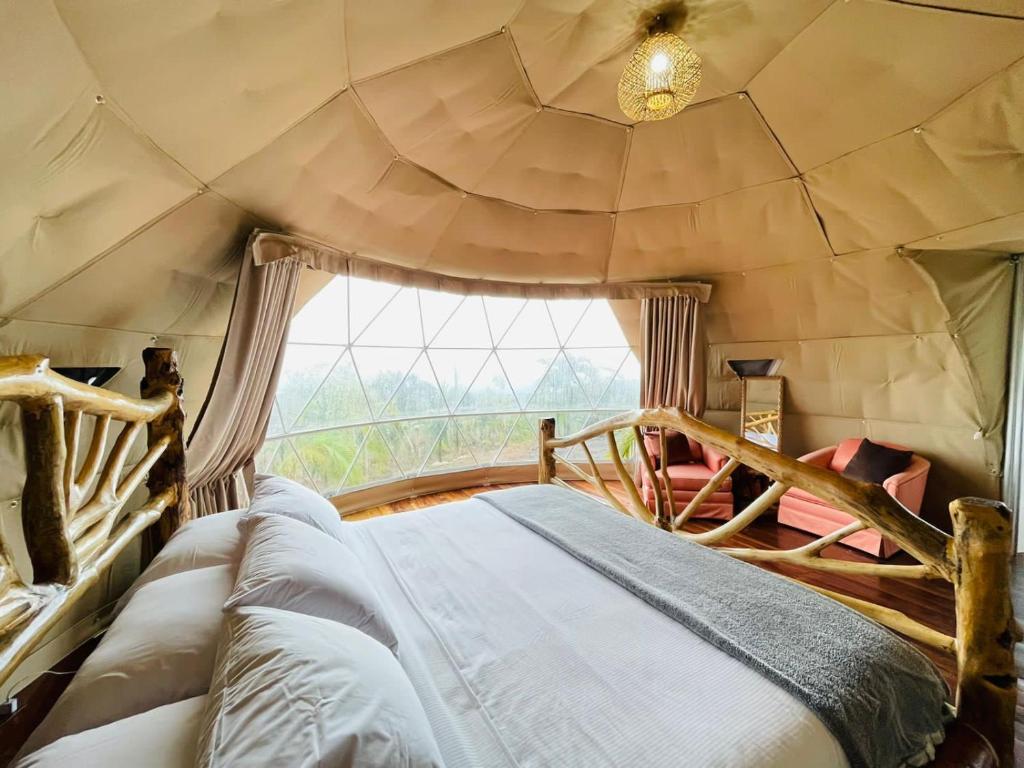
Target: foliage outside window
[(381, 383)]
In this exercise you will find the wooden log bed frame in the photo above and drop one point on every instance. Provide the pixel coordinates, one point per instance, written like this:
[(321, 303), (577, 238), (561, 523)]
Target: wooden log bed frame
[(976, 559), (74, 525)]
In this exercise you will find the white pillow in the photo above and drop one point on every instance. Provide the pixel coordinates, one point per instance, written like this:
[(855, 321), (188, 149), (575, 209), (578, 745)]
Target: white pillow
[(166, 736), (200, 543), (160, 650), (294, 567), (297, 691), (280, 496)]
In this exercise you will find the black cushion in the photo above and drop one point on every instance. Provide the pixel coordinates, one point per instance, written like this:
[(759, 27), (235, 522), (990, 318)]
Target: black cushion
[(874, 463)]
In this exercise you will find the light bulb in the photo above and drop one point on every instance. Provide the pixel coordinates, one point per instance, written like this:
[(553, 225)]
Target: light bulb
[(659, 63)]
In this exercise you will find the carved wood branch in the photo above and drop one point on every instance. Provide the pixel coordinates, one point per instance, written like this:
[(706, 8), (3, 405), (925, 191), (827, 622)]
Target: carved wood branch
[(648, 467), (163, 380), (754, 510), (986, 630), (666, 478), (869, 503), (705, 493), (637, 505), (72, 522)]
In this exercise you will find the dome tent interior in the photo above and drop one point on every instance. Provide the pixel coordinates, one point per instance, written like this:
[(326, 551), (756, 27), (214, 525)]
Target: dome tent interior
[(848, 181)]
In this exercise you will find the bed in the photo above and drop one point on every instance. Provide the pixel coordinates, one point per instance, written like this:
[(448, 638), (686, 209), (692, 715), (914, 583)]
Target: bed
[(531, 626)]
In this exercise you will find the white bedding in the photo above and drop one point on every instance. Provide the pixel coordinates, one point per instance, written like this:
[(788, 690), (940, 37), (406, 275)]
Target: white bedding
[(520, 654), (523, 656), (164, 737), (298, 691), (160, 650)]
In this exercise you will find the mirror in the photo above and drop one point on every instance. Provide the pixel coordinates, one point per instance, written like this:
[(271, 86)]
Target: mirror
[(761, 411)]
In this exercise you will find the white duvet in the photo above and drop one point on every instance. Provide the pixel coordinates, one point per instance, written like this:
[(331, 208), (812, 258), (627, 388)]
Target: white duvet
[(520, 654), (524, 656)]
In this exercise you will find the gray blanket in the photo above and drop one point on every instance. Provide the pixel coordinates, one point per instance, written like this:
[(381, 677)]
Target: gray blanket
[(882, 699)]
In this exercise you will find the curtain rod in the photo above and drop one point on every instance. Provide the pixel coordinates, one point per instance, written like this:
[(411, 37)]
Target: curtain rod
[(272, 246)]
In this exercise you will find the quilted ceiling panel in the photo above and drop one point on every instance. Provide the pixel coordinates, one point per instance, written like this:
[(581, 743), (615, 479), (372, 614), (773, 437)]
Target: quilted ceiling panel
[(485, 139)]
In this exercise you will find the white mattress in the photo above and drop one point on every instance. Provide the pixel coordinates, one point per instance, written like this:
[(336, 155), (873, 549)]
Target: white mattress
[(524, 656)]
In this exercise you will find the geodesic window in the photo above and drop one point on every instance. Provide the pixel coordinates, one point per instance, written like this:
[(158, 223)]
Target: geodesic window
[(381, 383)]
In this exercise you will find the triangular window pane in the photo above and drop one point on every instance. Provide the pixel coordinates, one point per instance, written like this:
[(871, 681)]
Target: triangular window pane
[(560, 389), (456, 369), (381, 371), (500, 314), (328, 455), (595, 368), (275, 427), (435, 309), (286, 464), (525, 369), (531, 329), (373, 464), (598, 328), (490, 391), (303, 370), (599, 445), (451, 452), (418, 395), (466, 328), (411, 441), (338, 402), (568, 423), (366, 299), (625, 439), (324, 318), (486, 434), (397, 326), (566, 314), (521, 446), (624, 390), (266, 455)]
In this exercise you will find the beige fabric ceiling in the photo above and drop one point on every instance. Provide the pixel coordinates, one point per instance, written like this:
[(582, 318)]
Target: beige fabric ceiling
[(141, 141)]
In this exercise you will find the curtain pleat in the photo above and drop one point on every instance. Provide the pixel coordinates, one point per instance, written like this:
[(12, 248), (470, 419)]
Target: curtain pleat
[(672, 367), (233, 420)]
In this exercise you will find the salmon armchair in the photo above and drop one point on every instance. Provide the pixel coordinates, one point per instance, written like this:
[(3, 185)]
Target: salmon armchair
[(689, 478), (799, 509)]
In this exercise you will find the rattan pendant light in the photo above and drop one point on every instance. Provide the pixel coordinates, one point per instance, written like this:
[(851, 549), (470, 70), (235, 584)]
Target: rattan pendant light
[(660, 78)]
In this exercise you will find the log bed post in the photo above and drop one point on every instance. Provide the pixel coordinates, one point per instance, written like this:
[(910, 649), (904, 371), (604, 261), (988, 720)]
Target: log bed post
[(168, 473), (44, 515), (546, 465), (986, 630)]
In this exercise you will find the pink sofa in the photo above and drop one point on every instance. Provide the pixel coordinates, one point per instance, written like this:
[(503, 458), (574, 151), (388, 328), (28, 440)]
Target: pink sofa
[(800, 509), (688, 479)]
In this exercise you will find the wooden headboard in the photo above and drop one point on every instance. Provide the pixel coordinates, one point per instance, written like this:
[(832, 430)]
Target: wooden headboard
[(72, 512), (975, 559)]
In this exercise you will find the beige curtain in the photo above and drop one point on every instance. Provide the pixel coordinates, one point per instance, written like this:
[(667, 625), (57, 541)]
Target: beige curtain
[(672, 365), (233, 421)]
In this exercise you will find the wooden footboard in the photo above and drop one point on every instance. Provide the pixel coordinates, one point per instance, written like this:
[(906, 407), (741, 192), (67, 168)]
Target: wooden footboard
[(72, 514), (975, 559)]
